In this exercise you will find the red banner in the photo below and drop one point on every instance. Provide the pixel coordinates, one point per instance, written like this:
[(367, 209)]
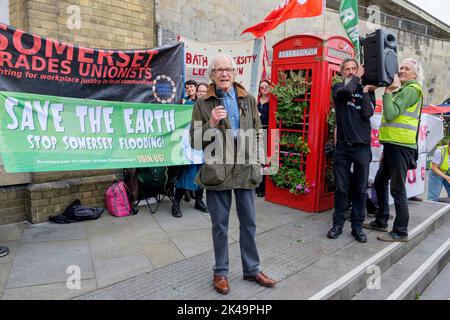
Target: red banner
[(289, 10)]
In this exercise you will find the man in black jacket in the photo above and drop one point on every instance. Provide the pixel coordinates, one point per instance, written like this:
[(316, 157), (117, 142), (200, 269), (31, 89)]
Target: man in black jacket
[(354, 105)]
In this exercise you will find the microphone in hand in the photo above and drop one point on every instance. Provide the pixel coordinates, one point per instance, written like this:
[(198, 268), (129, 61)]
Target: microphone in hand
[(219, 95)]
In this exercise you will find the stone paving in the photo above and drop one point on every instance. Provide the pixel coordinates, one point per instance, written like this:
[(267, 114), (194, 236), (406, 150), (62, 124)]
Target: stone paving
[(158, 256), (111, 249)]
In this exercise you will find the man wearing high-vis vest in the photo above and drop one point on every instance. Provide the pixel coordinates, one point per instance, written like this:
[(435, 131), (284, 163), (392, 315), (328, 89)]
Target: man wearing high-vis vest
[(439, 175), (402, 107)]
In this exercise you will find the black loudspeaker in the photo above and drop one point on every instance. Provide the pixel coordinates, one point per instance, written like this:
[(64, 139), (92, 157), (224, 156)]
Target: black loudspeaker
[(380, 58)]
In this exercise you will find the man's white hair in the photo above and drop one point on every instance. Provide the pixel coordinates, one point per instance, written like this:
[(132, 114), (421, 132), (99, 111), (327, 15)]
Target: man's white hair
[(417, 67), (211, 66)]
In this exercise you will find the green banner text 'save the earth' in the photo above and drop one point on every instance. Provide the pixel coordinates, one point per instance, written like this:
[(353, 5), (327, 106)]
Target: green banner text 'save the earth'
[(48, 133)]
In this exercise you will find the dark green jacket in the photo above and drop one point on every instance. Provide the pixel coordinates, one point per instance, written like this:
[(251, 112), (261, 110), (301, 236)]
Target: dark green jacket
[(228, 164)]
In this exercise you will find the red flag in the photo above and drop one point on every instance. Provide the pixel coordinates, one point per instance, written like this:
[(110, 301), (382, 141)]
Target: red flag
[(289, 10)]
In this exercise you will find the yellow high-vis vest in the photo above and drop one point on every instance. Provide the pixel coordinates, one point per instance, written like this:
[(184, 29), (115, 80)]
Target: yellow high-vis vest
[(403, 129), (444, 157)]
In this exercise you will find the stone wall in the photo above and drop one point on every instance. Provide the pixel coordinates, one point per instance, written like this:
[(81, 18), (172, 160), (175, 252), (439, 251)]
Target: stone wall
[(219, 20), (108, 24), (51, 198), (13, 204)]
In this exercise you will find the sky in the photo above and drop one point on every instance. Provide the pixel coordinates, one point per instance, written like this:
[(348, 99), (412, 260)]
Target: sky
[(437, 8)]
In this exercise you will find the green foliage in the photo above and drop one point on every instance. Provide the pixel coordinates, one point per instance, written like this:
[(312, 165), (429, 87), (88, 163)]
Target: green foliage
[(331, 117), (290, 87), (290, 176), (295, 140), (291, 113), (290, 90), (331, 121), (335, 80), (444, 141)]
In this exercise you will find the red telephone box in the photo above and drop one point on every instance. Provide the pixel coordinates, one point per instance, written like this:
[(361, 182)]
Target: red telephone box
[(317, 60)]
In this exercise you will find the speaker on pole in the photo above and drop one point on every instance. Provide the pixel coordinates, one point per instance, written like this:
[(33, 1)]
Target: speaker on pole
[(380, 58)]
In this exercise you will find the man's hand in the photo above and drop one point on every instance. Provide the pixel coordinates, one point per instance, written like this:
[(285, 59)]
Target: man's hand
[(360, 71), (447, 178), (394, 85), (369, 87), (217, 114)]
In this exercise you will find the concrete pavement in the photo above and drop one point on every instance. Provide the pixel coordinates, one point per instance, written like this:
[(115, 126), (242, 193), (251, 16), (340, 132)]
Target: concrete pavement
[(111, 249), (150, 256)]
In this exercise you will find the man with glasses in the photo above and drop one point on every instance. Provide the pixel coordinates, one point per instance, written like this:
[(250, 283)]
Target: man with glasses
[(219, 120)]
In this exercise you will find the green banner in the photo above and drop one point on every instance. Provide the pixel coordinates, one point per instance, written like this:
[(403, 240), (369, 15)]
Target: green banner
[(50, 133), (348, 13)]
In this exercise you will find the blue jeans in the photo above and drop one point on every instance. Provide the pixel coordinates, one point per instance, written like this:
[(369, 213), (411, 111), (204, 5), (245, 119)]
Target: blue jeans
[(435, 184)]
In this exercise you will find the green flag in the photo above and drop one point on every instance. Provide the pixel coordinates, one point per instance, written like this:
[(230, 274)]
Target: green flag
[(348, 12)]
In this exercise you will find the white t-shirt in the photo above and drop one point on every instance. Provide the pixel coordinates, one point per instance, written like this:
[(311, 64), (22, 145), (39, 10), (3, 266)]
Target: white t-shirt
[(437, 157)]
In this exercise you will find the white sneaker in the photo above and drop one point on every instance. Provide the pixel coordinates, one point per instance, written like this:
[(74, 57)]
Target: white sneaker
[(3, 251)]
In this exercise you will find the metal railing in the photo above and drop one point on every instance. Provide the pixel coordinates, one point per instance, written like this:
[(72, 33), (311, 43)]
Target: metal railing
[(388, 20)]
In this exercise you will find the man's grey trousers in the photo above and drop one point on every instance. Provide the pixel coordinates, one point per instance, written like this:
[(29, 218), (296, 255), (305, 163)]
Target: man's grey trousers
[(219, 205)]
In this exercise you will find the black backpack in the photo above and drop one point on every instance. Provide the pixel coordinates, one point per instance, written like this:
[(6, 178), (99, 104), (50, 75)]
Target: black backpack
[(76, 212)]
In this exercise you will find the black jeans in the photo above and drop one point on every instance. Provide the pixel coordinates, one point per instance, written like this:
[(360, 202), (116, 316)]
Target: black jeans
[(394, 167), (261, 189), (360, 155)]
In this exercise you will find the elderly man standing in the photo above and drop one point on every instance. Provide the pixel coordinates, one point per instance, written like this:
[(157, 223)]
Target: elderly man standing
[(219, 121), (402, 107)]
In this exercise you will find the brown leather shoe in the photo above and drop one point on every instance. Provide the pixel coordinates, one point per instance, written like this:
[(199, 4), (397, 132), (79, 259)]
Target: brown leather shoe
[(261, 279), (221, 284)]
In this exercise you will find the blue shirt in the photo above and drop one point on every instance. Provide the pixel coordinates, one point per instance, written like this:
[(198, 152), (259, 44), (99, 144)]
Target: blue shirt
[(231, 105), (188, 101)]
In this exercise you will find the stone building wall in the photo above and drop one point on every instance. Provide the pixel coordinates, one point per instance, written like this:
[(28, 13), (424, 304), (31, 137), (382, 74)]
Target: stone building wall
[(107, 24), (224, 20)]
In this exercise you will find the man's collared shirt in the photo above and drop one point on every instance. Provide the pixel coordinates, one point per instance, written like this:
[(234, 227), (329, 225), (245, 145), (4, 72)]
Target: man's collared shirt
[(231, 105)]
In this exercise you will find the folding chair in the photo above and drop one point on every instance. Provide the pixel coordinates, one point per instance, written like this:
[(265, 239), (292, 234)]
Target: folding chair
[(157, 183)]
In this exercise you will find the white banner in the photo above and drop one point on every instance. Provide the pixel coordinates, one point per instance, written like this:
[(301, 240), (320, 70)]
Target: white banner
[(430, 133), (246, 54)]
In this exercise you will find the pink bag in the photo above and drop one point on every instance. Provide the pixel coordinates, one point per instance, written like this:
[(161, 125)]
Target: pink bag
[(117, 199)]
